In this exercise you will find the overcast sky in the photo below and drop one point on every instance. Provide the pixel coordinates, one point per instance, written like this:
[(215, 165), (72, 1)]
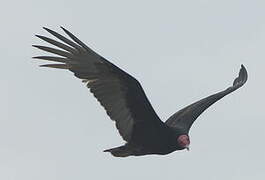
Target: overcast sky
[(51, 127)]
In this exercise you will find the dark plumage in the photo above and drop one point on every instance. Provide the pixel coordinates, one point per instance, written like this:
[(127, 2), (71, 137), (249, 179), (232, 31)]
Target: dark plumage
[(125, 101)]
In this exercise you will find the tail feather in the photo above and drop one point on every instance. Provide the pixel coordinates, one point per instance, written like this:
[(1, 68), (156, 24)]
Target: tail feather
[(122, 151)]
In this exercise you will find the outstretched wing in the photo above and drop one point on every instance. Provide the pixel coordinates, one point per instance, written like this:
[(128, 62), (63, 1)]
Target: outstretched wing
[(185, 117), (119, 93)]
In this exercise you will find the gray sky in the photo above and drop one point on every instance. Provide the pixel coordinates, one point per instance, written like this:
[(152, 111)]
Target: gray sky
[(52, 128)]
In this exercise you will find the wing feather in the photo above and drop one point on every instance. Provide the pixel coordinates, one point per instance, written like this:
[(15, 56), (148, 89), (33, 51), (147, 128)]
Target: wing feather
[(184, 118), (119, 93)]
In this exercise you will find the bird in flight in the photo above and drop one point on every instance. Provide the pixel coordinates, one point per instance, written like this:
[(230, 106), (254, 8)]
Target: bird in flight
[(124, 99)]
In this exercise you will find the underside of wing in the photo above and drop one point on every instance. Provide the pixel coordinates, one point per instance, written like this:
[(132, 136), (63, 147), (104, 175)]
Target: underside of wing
[(119, 93), (185, 117)]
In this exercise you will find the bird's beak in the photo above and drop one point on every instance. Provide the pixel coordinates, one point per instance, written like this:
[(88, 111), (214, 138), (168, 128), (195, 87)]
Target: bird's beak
[(188, 148)]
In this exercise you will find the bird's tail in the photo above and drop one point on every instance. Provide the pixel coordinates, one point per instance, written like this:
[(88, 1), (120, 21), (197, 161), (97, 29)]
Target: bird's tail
[(122, 151)]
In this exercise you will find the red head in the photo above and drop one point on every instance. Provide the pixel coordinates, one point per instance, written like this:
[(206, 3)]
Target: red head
[(184, 141)]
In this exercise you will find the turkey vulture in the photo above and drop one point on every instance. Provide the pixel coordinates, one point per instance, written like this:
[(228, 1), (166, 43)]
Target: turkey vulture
[(124, 99)]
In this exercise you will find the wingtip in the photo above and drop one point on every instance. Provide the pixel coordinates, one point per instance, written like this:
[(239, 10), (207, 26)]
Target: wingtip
[(65, 30), (242, 77), (46, 66), (48, 30), (243, 69), (242, 66), (45, 28), (57, 66), (37, 46), (40, 36)]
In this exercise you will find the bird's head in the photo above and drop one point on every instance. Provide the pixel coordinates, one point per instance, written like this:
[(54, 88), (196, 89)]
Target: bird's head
[(183, 141)]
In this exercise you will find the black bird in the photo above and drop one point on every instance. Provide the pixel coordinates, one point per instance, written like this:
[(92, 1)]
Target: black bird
[(124, 99)]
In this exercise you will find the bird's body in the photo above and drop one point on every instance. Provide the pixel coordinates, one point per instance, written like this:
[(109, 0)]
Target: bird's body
[(124, 99), (163, 143)]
